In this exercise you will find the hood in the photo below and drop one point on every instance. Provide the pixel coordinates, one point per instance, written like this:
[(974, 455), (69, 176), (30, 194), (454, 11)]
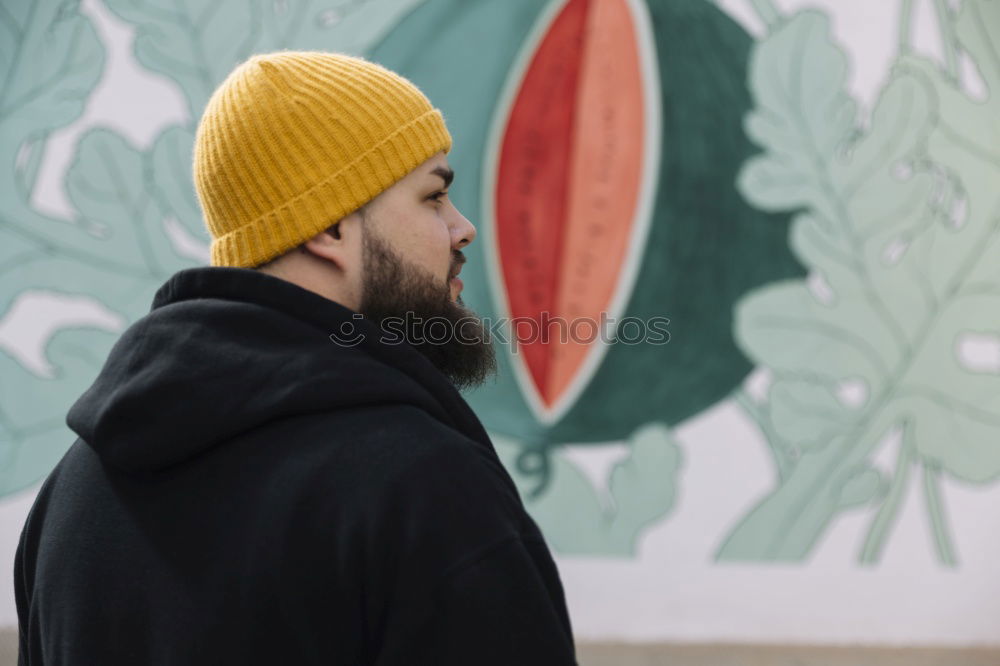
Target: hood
[(224, 350)]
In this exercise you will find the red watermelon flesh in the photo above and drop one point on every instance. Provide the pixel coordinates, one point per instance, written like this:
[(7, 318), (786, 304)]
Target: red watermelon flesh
[(568, 188)]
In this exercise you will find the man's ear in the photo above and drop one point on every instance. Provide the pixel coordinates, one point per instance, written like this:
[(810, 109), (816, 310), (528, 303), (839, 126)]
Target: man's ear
[(339, 243)]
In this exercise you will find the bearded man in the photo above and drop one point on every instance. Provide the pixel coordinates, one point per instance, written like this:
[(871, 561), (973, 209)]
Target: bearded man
[(274, 465)]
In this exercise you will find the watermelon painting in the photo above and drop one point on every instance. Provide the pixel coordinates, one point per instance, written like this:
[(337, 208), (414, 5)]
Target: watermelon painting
[(605, 138), (597, 144)]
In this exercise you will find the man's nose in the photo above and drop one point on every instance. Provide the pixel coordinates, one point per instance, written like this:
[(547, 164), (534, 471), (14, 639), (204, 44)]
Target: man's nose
[(463, 231)]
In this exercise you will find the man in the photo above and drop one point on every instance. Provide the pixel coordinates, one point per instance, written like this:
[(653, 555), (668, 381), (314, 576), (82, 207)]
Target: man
[(274, 466)]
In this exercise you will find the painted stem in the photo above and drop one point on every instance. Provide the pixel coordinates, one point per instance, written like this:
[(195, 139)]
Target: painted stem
[(767, 12), (946, 23), (882, 525), (784, 526), (762, 418), (905, 26), (932, 494)]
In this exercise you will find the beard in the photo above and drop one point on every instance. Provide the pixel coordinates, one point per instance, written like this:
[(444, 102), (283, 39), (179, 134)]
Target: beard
[(413, 305)]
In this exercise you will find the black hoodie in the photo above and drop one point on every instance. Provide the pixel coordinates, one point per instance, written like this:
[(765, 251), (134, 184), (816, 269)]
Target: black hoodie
[(244, 490)]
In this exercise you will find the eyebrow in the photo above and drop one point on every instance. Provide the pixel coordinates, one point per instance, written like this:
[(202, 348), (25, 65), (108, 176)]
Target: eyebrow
[(446, 174)]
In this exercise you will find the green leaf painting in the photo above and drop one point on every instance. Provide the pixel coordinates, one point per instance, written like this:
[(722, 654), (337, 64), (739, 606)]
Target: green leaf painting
[(640, 489), (117, 249), (898, 225), (198, 43), (50, 58)]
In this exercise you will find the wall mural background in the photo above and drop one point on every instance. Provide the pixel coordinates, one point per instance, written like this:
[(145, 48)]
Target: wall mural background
[(828, 263)]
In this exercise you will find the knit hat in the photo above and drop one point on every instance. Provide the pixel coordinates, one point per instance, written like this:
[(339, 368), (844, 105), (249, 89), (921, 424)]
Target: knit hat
[(293, 141)]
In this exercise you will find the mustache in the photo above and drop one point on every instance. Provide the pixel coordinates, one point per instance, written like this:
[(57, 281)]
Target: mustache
[(456, 263)]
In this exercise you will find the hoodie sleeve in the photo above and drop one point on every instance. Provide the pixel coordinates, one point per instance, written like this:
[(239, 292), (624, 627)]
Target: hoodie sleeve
[(25, 566), (498, 610), (473, 581), (21, 599)]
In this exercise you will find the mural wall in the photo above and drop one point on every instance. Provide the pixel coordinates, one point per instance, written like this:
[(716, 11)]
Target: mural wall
[(801, 201)]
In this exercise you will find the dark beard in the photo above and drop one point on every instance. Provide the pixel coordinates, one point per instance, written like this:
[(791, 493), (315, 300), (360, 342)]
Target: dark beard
[(405, 299)]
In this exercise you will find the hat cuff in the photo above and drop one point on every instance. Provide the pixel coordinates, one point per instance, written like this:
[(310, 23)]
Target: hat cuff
[(336, 196)]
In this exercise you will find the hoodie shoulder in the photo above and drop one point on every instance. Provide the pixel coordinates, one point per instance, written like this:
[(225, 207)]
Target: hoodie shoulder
[(198, 373), (405, 450)]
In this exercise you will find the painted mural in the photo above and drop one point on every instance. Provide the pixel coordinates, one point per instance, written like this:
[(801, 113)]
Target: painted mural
[(834, 273)]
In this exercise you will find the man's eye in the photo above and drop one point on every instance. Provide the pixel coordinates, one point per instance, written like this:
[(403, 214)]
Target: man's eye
[(437, 196)]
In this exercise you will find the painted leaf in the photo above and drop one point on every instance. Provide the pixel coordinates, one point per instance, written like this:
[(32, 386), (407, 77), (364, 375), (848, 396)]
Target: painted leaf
[(168, 179), (50, 58), (33, 433), (194, 43), (107, 185), (861, 487), (903, 232), (806, 413), (791, 73), (347, 27), (41, 377), (198, 43), (955, 407), (94, 300), (644, 486), (642, 489)]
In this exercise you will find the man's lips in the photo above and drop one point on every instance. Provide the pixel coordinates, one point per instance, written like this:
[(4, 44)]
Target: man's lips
[(456, 265), (453, 278), (456, 282), (456, 269)]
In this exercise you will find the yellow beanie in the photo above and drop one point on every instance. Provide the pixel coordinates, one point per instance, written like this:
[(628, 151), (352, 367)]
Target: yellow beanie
[(293, 141)]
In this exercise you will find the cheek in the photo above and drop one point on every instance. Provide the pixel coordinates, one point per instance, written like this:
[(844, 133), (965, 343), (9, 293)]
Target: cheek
[(437, 240), (426, 241)]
